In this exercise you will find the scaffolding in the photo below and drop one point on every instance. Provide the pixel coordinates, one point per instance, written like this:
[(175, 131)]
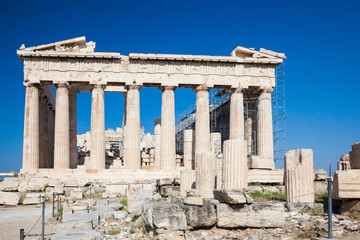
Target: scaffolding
[(219, 108)]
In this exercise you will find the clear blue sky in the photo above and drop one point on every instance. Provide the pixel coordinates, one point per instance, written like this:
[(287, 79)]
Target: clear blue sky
[(320, 39)]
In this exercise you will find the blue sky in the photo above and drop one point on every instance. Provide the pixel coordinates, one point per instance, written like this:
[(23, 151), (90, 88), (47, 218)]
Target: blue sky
[(320, 39)]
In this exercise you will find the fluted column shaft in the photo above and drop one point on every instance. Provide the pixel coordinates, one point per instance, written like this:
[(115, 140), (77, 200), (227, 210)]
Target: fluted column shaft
[(62, 130), (44, 130), (265, 127), (132, 129), (73, 129), (237, 115), (31, 128), (202, 124), (235, 168), (157, 136), (205, 173), (97, 137), (167, 149)]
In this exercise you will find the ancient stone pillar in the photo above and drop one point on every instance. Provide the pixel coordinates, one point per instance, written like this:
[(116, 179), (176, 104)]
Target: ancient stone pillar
[(235, 167), (31, 128), (157, 136), (189, 151), (236, 127), (43, 141), (265, 129), (248, 134), (202, 124), (205, 173), (97, 137), (167, 149), (215, 144), (51, 126), (132, 129), (62, 131), (299, 176), (73, 129), (187, 181)]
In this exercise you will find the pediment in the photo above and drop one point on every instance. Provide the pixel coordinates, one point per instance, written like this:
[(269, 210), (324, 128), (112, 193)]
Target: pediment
[(243, 52), (78, 44)]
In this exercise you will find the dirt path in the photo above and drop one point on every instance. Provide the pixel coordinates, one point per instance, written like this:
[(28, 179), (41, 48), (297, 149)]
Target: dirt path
[(12, 219)]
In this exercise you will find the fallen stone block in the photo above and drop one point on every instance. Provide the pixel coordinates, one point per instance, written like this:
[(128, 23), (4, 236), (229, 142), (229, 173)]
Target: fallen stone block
[(120, 214), (86, 224), (76, 234), (195, 201), (9, 198), (32, 198), (266, 176), (135, 202), (233, 196), (9, 184), (71, 182), (204, 216), (30, 186), (170, 190), (256, 215), (93, 216), (346, 184), (305, 207), (164, 215), (77, 193), (258, 162), (320, 175)]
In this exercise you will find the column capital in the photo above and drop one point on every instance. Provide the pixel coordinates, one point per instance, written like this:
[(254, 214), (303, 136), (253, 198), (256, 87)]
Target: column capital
[(266, 89), (163, 88), (201, 87), (128, 87), (73, 90), (30, 84), (235, 90), (62, 84), (92, 86)]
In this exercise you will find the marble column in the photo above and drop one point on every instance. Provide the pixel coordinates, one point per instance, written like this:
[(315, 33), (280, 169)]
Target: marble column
[(189, 153), (205, 173), (248, 134), (31, 128), (235, 166), (51, 127), (132, 129), (187, 181), (167, 149), (265, 127), (44, 136), (157, 136), (73, 128), (236, 127), (202, 124), (62, 130), (97, 137)]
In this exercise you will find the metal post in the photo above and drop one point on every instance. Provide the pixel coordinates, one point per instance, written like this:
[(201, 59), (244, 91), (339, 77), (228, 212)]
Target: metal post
[(53, 203), (330, 204), (22, 234), (43, 221), (58, 203)]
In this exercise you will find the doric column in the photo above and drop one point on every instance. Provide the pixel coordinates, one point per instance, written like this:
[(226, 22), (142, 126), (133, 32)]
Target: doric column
[(236, 127), (31, 128), (167, 149), (202, 124), (97, 137), (44, 153), (205, 173), (157, 136), (62, 131), (265, 127), (51, 127), (73, 128), (132, 129)]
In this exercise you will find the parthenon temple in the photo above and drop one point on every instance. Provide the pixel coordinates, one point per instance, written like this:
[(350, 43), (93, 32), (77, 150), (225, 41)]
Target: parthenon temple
[(73, 67)]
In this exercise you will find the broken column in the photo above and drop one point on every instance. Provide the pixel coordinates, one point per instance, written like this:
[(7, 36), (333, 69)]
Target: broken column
[(355, 156), (97, 137), (299, 176), (235, 167), (189, 151), (167, 149), (205, 173), (344, 163), (157, 137), (215, 144), (31, 128), (202, 124), (187, 181), (62, 128), (132, 129)]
